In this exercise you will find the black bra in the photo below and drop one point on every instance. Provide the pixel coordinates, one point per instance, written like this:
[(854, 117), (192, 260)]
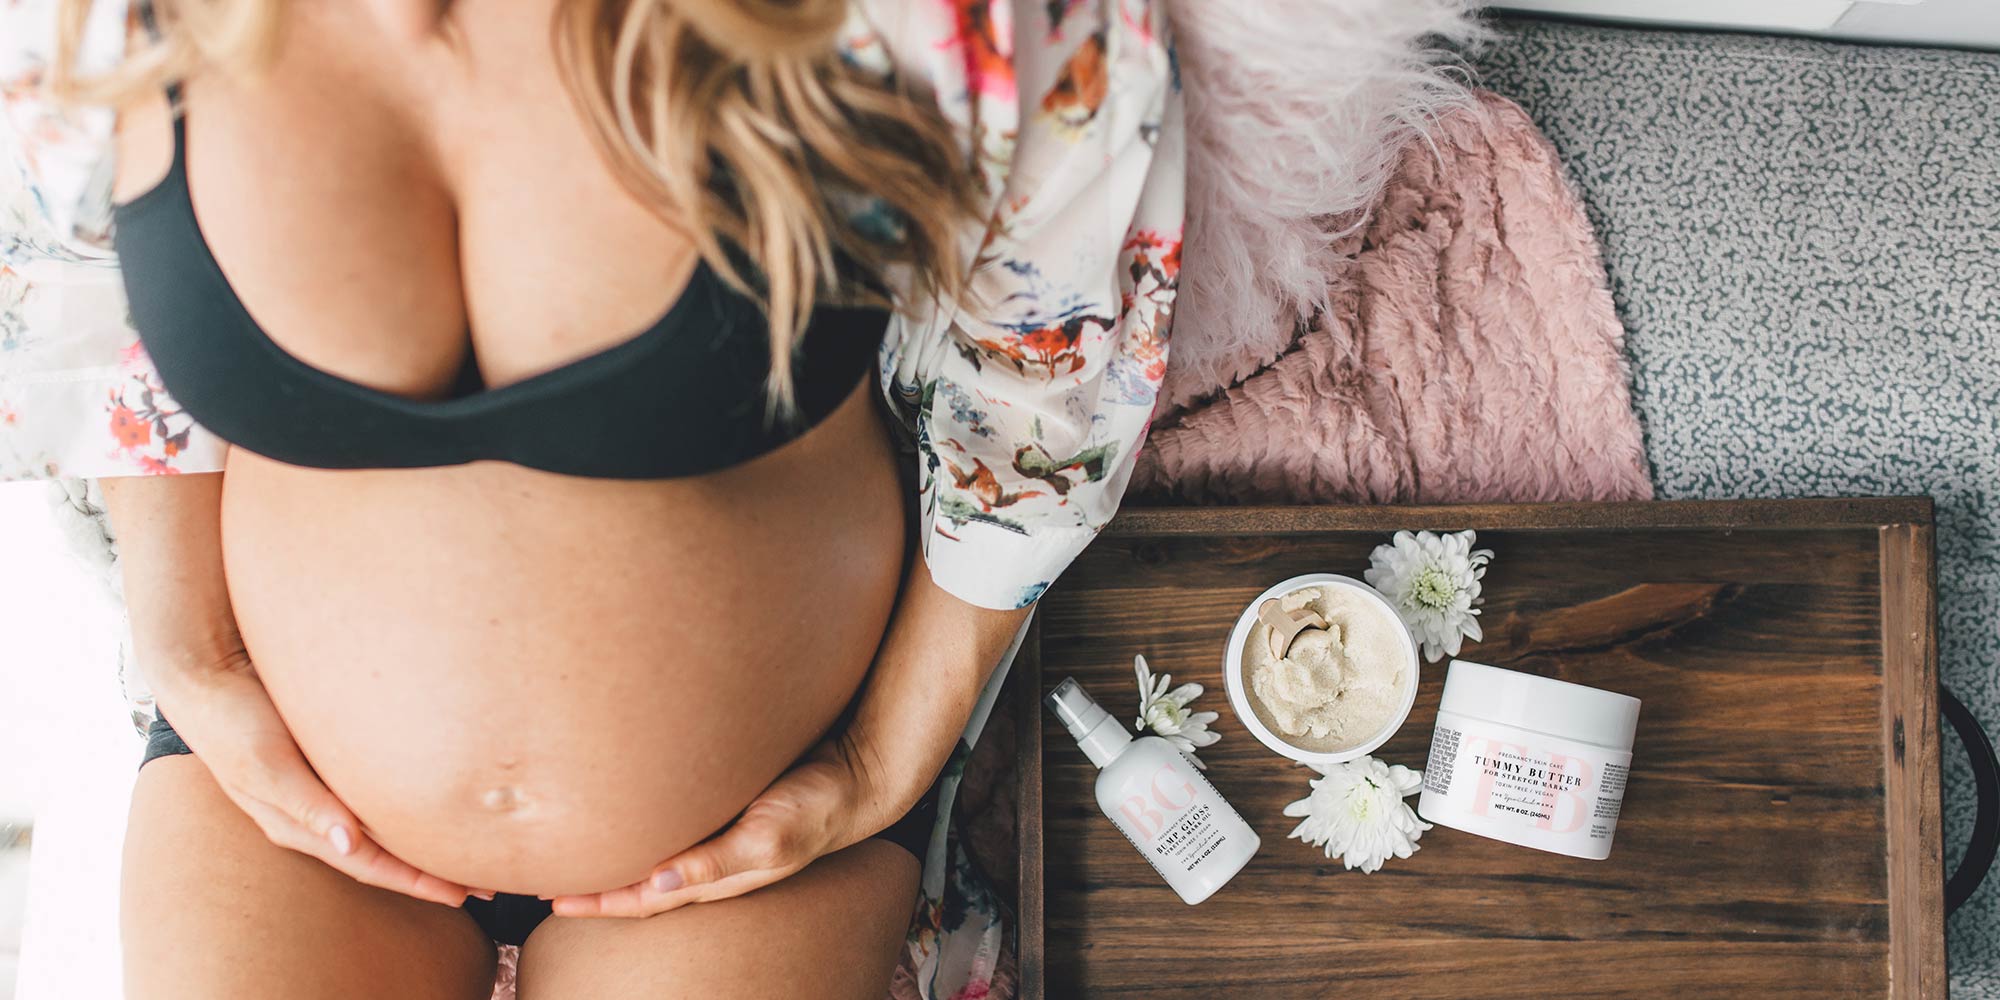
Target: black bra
[(684, 397)]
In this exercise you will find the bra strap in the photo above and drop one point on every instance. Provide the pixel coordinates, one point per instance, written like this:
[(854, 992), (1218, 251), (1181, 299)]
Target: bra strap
[(179, 115)]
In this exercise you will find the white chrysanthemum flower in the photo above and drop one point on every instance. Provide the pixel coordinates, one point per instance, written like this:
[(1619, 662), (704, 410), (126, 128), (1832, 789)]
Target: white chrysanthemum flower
[(1433, 580), (1165, 712), (1356, 811)]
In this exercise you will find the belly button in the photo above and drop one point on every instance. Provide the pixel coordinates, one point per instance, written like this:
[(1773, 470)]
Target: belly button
[(503, 799)]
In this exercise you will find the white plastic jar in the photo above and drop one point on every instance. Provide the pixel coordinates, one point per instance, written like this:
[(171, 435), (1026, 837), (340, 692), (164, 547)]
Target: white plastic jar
[(1529, 760)]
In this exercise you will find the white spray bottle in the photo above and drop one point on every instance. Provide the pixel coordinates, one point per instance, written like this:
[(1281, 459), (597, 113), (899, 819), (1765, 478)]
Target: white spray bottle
[(1158, 799)]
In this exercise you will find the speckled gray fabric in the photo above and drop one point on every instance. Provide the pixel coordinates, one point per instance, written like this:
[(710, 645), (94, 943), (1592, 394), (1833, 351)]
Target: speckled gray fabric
[(1803, 240)]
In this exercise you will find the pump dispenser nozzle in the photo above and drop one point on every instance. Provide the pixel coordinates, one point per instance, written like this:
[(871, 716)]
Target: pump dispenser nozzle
[(1078, 711), (1093, 728)]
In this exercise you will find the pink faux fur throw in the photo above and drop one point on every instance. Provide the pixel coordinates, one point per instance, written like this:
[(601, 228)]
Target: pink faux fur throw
[(1297, 111), (1471, 355)]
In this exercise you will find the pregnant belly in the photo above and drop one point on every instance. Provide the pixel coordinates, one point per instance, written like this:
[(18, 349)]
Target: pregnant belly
[(541, 684)]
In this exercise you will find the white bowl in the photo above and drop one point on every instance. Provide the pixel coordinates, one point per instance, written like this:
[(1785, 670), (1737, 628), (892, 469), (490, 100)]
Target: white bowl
[(1239, 695)]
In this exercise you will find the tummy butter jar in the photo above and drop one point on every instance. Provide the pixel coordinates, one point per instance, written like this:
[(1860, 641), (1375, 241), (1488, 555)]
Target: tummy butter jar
[(1529, 760)]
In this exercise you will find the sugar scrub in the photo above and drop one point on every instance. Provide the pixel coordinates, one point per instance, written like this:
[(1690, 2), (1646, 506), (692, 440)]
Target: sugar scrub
[(1336, 686)]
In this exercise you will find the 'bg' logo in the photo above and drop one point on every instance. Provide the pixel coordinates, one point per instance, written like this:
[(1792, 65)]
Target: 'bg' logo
[(1160, 791)]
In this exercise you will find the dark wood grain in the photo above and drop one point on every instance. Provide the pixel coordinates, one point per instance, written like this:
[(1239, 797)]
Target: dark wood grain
[(1911, 793), (1773, 843)]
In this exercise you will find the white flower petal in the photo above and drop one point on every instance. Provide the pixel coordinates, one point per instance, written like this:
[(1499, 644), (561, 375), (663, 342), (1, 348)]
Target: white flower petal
[(1433, 581), (1406, 780), (1356, 812)]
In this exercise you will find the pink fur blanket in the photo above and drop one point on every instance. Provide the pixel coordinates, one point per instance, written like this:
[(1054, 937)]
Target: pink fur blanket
[(1472, 354), (1468, 352)]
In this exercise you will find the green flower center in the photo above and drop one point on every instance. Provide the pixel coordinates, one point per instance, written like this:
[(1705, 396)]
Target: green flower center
[(1434, 589), (1360, 805)]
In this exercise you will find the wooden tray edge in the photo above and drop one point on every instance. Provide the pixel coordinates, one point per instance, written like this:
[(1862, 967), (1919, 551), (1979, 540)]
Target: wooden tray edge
[(1820, 512), (1029, 908), (1912, 797)]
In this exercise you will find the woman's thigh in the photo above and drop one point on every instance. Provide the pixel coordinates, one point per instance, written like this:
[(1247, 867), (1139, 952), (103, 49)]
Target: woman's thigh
[(833, 930), (212, 910)]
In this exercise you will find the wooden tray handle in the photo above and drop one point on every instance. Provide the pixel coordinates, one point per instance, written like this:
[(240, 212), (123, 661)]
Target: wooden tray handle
[(1986, 821)]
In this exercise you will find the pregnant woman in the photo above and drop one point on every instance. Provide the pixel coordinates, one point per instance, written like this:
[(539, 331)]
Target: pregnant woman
[(618, 442)]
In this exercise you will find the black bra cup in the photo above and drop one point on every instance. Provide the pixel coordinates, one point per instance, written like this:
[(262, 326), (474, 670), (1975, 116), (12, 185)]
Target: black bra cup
[(686, 396)]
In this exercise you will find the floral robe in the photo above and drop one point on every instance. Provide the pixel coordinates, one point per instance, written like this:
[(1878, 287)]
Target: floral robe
[(1023, 419)]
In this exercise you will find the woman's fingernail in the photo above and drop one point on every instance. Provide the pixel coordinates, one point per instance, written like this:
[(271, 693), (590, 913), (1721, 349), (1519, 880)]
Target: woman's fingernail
[(668, 880), (343, 842), (486, 895)]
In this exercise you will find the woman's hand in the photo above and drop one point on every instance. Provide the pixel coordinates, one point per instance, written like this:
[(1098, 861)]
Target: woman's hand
[(225, 716), (823, 804)]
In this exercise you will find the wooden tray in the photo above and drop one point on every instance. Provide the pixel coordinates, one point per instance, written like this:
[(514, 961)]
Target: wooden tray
[(1780, 836)]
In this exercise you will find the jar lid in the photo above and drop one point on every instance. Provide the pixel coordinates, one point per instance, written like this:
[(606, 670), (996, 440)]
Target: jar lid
[(1543, 704)]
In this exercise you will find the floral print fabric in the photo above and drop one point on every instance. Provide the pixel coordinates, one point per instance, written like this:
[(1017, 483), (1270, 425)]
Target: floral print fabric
[(1029, 408), (78, 397), (1024, 406)]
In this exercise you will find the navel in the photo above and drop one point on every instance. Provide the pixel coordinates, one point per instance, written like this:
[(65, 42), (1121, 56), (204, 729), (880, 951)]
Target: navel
[(504, 799)]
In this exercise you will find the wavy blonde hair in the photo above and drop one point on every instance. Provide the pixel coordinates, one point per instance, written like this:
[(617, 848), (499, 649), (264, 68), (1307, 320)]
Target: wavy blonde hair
[(737, 121)]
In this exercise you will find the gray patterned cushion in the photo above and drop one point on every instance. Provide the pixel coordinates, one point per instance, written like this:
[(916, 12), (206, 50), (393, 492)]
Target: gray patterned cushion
[(1803, 240)]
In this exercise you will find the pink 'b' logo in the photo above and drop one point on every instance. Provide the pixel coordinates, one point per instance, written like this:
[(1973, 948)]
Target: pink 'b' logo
[(1139, 809)]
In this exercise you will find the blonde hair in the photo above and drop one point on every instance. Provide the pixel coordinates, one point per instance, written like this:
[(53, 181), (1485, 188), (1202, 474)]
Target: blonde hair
[(737, 121)]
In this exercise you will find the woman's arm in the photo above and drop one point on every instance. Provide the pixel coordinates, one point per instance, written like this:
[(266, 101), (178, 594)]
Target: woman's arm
[(169, 531), (934, 659)]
